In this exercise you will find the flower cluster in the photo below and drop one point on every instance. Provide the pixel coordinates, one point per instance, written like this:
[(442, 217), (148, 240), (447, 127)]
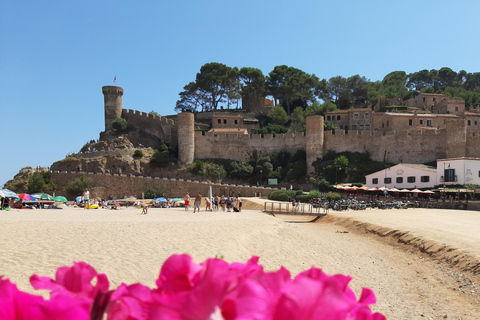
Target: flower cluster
[(211, 290)]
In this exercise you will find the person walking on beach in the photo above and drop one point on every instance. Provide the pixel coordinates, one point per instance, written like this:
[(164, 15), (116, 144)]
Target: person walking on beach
[(223, 203), (196, 204), (86, 199), (187, 201), (208, 204)]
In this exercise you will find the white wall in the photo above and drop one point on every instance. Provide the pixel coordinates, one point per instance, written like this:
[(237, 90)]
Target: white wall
[(404, 172)]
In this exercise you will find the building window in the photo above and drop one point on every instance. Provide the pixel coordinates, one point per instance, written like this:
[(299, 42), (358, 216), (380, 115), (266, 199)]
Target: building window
[(383, 125), (387, 180), (444, 121), (367, 115), (425, 179), (399, 179), (429, 123), (224, 121), (421, 121), (434, 99), (220, 121), (360, 127), (475, 122), (375, 180), (456, 108), (355, 116), (411, 179), (449, 175), (235, 121), (388, 122), (328, 118), (338, 118), (469, 123), (367, 127), (410, 122)]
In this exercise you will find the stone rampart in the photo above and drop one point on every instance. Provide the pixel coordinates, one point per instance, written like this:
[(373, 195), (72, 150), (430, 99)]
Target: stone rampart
[(152, 126), (240, 147), (413, 146), (120, 185)]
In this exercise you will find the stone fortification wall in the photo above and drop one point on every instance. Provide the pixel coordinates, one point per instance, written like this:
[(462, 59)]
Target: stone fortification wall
[(414, 146), (240, 147), (456, 139), (150, 128), (119, 186), (473, 142)]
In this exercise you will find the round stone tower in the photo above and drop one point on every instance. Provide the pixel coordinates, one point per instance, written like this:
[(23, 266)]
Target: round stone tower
[(113, 104), (314, 140), (186, 137)]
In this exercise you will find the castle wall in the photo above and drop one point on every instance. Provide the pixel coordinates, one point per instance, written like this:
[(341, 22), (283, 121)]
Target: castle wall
[(241, 147), (119, 186), (150, 128), (414, 146)]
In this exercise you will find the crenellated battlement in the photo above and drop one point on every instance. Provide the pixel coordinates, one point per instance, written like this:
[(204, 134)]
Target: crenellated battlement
[(129, 113)]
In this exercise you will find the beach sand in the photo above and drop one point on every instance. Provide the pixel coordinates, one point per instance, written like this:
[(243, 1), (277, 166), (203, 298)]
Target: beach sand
[(421, 263)]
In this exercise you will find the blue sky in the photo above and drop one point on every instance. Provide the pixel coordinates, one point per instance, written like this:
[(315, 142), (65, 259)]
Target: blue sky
[(55, 56)]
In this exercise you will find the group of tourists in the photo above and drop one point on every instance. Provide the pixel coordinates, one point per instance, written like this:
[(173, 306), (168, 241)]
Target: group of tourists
[(226, 204)]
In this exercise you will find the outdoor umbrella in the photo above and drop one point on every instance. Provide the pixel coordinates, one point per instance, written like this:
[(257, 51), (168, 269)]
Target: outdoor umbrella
[(160, 199), (416, 191), (60, 199), (5, 193), (404, 191), (393, 190), (78, 199), (176, 199), (42, 196), (26, 197)]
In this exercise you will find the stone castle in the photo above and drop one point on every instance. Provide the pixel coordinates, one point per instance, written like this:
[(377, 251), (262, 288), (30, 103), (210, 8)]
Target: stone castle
[(433, 126)]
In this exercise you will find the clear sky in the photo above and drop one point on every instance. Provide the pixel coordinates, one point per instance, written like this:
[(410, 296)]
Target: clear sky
[(55, 56)]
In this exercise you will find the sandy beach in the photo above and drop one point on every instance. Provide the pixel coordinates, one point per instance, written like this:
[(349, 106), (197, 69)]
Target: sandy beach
[(421, 263)]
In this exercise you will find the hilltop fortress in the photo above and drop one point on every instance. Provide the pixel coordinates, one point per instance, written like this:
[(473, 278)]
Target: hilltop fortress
[(433, 127)]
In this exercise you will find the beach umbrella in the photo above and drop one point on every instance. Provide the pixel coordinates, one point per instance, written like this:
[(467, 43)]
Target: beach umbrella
[(60, 199), (42, 196), (26, 197), (176, 199), (160, 199), (5, 193), (78, 199)]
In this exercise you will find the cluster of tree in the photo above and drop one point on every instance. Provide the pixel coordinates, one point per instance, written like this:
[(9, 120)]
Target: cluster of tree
[(278, 121), (217, 84), (41, 181), (77, 186), (281, 166), (335, 168), (161, 156)]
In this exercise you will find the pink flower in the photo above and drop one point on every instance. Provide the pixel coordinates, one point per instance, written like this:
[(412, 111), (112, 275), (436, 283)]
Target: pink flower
[(17, 305), (75, 281)]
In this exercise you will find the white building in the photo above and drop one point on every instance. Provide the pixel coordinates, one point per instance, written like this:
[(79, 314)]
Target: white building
[(404, 176), (458, 171)]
